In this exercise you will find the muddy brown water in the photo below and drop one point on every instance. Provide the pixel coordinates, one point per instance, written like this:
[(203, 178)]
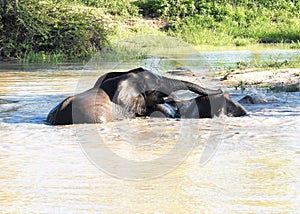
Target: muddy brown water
[(246, 164)]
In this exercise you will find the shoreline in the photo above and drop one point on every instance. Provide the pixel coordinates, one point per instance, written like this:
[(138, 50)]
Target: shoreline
[(279, 79), (282, 79)]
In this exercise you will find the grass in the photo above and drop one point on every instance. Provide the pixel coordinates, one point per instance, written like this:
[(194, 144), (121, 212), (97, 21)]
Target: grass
[(255, 47), (201, 30), (43, 58), (133, 27), (53, 58)]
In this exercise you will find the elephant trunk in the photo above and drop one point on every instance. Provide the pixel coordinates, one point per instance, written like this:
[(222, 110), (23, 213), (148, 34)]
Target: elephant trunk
[(175, 85)]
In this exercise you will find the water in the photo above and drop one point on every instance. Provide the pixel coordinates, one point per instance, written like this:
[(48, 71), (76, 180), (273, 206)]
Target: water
[(231, 58), (224, 59), (251, 164)]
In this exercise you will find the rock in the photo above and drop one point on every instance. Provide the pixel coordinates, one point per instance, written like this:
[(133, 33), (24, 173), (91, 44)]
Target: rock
[(253, 99), (182, 72)]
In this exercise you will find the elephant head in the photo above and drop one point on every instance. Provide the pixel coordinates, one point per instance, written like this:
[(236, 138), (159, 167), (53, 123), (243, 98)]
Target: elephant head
[(139, 90)]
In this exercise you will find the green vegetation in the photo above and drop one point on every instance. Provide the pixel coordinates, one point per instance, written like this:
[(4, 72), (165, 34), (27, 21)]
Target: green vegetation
[(58, 30), (224, 22), (50, 27), (115, 7), (271, 63), (240, 85)]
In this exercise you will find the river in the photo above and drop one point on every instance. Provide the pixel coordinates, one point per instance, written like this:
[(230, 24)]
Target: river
[(222, 165)]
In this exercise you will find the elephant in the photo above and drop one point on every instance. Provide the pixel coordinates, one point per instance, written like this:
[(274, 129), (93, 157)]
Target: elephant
[(118, 95), (207, 106), (139, 89), (91, 106)]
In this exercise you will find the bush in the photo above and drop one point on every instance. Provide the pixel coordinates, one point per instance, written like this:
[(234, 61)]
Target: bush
[(169, 9), (75, 28), (114, 7), (33, 26), (237, 22)]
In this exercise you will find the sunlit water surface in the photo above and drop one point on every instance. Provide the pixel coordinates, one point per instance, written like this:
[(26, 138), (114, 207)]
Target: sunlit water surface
[(254, 166)]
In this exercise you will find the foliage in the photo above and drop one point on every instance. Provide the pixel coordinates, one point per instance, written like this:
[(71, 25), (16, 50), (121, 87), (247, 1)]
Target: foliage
[(167, 8), (114, 7), (220, 22), (53, 27), (219, 9), (76, 28)]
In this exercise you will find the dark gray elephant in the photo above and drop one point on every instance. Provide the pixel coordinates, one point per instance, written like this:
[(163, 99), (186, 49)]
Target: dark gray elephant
[(119, 95), (207, 107), (139, 89)]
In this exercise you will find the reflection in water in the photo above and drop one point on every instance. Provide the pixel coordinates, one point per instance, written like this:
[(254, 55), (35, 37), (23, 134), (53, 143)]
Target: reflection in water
[(254, 169)]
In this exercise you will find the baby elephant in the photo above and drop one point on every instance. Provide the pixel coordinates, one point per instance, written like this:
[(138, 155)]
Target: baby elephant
[(208, 107)]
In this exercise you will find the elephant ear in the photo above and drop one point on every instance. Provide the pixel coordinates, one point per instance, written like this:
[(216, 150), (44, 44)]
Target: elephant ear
[(131, 99), (136, 104)]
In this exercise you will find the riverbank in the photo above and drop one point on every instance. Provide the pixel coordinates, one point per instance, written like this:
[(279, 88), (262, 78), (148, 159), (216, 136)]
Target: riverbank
[(284, 79)]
